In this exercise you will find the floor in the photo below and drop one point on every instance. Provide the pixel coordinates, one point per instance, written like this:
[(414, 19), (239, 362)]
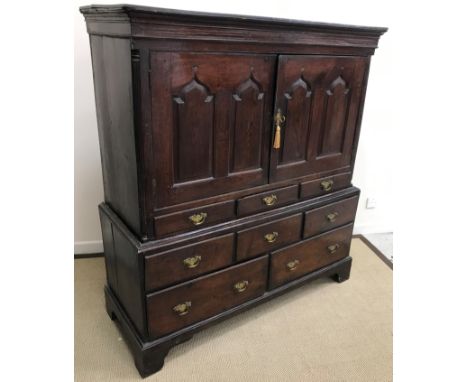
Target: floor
[(384, 242), (321, 332)]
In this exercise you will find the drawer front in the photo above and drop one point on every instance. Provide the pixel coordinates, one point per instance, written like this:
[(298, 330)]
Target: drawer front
[(307, 256), (331, 216), (193, 301), (181, 264), (325, 185), (267, 200), (193, 219), (266, 237)]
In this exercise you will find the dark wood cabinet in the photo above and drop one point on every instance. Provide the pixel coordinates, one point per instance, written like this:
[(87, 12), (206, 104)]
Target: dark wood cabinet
[(227, 147)]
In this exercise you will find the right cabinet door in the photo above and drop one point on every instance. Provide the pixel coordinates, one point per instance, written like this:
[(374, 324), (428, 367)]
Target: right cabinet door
[(320, 99)]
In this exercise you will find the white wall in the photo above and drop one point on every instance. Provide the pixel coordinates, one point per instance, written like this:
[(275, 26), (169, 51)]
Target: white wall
[(373, 171), (88, 176)]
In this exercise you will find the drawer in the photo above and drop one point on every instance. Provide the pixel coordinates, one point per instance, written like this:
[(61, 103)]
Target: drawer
[(309, 255), (182, 305), (266, 237), (325, 185), (181, 264), (331, 216), (193, 219), (267, 200)]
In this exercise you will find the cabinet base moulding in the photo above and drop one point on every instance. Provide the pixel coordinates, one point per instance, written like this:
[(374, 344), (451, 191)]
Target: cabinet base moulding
[(149, 355)]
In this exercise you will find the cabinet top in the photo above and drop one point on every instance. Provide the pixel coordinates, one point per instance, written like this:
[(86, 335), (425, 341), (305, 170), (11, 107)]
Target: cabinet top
[(136, 22), (115, 10), (128, 9)]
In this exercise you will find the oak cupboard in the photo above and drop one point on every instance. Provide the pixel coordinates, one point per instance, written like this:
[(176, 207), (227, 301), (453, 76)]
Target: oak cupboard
[(227, 145)]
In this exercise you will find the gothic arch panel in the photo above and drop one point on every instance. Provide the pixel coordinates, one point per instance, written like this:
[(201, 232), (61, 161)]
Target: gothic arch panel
[(193, 133)]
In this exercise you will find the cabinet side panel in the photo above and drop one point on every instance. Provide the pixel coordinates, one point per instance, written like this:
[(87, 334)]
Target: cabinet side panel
[(124, 271), (109, 253), (112, 73)]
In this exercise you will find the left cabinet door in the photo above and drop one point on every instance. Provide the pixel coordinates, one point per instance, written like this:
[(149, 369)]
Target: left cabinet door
[(211, 122)]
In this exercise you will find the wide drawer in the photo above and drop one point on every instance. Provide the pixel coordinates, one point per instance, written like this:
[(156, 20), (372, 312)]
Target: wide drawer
[(266, 237), (193, 301), (193, 219), (267, 200), (330, 216), (309, 255), (181, 264), (325, 185)]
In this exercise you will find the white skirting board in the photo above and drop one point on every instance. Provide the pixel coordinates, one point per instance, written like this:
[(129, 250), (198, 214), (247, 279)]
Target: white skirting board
[(86, 247), (362, 229)]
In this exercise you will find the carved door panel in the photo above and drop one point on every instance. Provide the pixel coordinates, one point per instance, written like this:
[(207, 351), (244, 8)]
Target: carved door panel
[(320, 99), (211, 116)]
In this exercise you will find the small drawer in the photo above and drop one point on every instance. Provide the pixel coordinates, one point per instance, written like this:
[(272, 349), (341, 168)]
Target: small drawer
[(267, 200), (266, 237), (182, 305), (193, 219), (325, 185), (181, 264), (331, 216), (307, 256)]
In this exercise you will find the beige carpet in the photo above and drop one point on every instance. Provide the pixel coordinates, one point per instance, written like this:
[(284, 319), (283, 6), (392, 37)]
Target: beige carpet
[(324, 331)]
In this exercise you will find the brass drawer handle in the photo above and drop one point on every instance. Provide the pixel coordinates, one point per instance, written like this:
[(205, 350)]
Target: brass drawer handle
[(241, 286), (292, 265), (326, 185), (270, 200), (333, 248), (182, 309), (192, 262), (198, 219), (271, 237), (332, 217)]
